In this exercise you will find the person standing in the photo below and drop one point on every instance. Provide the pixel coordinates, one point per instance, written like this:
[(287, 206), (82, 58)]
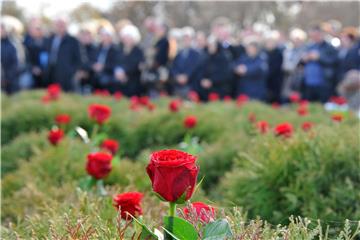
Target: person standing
[(64, 57)]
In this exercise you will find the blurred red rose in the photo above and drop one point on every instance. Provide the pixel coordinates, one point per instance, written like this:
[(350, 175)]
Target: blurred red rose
[(284, 129), (118, 95), (294, 97), (252, 117), (54, 91), (304, 103), (190, 121), (213, 97), (174, 105), (151, 106), (302, 110), (306, 126), (262, 126), (129, 202), (144, 100), (337, 117), (101, 92), (98, 164), (227, 98), (339, 100), (99, 113), (62, 119), (173, 174), (110, 145), (201, 211), (55, 136), (241, 99), (193, 96)]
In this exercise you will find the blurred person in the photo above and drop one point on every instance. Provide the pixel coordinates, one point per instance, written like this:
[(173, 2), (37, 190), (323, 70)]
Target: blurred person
[(215, 70), (88, 51), (349, 52), (155, 78), (349, 88), (292, 68), (251, 71), (185, 67), (36, 52), (175, 35), (274, 81), (9, 62), (64, 56), (200, 41), (319, 67), (128, 73), (108, 56)]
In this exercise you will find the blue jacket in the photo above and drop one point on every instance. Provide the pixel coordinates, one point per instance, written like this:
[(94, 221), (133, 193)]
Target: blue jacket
[(9, 66), (253, 82)]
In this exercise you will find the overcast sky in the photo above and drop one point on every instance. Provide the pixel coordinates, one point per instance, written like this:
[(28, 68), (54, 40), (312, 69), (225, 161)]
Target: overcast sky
[(55, 7)]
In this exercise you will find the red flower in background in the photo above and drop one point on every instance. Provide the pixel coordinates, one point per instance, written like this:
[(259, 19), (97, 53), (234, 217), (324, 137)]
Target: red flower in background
[(227, 99), (46, 99), (201, 210), (213, 97), (54, 91), (129, 202), (101, 92), (241, 99), (98, 164), (338, 100), (337, 117), (55, 136), (174, 105), (294, 97), (118, 95), (190, 121), (284, 129), (252, 117), (262, 126), (144, 100), (302, 110), (306, 126), (99, 113), (173, 174), (62, 119), (110, 145), (151, 106), (304, 103), (193, 96), (275, 105)]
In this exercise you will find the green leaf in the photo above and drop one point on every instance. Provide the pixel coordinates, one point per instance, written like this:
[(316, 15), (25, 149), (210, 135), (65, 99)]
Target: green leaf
[(146, 233), (180, 228), (218, 230), (87, 183)]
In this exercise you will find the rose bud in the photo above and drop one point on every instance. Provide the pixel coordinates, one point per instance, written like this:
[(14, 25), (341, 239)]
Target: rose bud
[(110, 145), (55, 136), (227, 98), (306, 126), (213, 97), (294, 97), (129, 202), (194, 96), (241, 99), (98, 164), (99, 113), (190, 122), (262, 126), (284, 129), (174, 105), (201, 211), (118, 95), (302, 110), (62, 119), (173, 175), (54, 91)]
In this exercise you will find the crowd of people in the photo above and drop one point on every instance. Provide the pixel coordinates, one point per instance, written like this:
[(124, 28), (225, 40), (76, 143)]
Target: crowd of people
[(264, 65)]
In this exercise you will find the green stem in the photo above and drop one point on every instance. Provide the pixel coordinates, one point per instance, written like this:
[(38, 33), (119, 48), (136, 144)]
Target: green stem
[(100, 187), (172, 209), (172, 214)]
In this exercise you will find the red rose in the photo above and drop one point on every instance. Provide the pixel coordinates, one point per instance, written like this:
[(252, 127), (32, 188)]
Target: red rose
[(151, 106), (101, 92), (201, 211), (190, 121), (173, 174), (302, 110), (306, 126), (193, 96), (252, 117), (129, 202), (62, 119), (262, 126), (241, 99), (338, 100), (174, 105), (118, 95), (99, 113), (227, 99), (294, 97), (337, 117), (144, 100), (110, 145), (98, 164), (213, 97), (304, 103), (55, 136), (284, 129), (54, 91)]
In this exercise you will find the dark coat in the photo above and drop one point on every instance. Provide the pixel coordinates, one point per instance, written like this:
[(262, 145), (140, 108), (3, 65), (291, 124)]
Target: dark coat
[(275, 75), (350, 61), (253, 82), (68, 61), (161, 57), (9, 66)]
